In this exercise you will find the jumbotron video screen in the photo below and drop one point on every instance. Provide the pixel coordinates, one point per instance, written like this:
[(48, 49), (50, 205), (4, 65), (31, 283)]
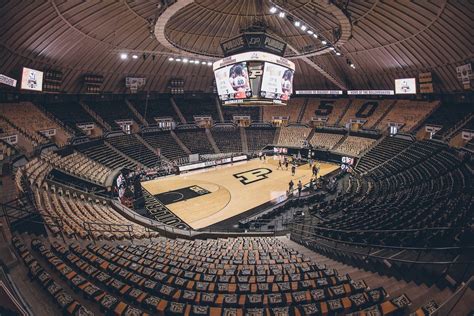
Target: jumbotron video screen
[(254, 78)]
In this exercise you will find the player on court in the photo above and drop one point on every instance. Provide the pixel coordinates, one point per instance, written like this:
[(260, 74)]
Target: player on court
[(280, 166)]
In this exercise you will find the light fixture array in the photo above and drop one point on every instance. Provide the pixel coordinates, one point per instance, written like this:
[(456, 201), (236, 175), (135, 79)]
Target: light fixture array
[(305, 28), (184, 60)]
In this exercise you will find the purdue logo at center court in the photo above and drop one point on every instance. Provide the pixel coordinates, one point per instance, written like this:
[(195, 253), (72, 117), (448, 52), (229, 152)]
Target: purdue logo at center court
[(254, 175)]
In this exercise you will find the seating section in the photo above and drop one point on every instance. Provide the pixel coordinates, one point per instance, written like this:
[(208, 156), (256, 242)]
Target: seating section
[(448, 114), (388, 148), (310, 111), (24, 143), (292, 110), (131, 146), (195, 140), (369, 110), (384, 106), (434, 191), (166, 143), (111, 111), (197, 105), (227, 139), (35, 171), (325, 140), (159, 107), (332, 109), (408, 112), (255, 276), (31, 121), (78, 216), (36, 271), (79, 165), (413, 155), (293, 135), (230, 111), (6, 150), (101, 153), (70, 113), (259, 137), (354, 145)]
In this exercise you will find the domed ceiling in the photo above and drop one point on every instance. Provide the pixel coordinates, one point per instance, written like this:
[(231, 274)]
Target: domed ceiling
[(383, 39)]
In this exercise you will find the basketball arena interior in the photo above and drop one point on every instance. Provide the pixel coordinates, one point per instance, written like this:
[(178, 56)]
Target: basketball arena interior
[(236, 157)]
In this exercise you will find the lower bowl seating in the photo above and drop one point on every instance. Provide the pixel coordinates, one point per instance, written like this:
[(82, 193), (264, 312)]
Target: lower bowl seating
[(256, 276)]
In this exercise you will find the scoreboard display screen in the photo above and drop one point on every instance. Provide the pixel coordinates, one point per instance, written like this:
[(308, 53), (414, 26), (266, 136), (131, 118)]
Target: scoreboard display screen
[(277, 82), (254, 78), (232, 82)]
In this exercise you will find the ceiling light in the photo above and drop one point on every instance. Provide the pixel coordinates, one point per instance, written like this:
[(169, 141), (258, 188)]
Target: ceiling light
[(353, 66), (123, 56), (281, 14), (185, 60), (309, 32), (191, 61), (297, 24), (178, 59), (331, 48), (171, 59), (196, 62), (304, 27), (135, 56), (338, 54), (273, 10), (324, 42), (209, 63), (315, 35)]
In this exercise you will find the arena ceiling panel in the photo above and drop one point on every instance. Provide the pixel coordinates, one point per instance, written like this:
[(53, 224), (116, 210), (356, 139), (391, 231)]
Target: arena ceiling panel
[(384, 39)]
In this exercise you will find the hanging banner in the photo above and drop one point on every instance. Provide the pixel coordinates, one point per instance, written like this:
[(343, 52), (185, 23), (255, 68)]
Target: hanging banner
[(7, 80)]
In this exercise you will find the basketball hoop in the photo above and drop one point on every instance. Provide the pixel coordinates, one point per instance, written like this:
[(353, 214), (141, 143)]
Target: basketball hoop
[(133, 87)]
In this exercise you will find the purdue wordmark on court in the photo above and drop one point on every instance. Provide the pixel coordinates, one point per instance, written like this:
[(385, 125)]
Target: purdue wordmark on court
[(253, 175)]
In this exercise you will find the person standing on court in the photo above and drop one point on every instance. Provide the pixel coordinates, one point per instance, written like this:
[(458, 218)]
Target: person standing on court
[(315, 170), (280, 166), (293, 169), (300, 187), (286, 163), (290, 187)]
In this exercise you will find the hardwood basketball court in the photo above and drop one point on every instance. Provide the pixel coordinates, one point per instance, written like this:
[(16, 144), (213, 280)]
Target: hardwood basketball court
[(205, 197)]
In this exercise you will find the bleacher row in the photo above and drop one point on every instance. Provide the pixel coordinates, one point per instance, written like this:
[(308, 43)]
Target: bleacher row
[(81, 216), (255, 276), (79, 165)]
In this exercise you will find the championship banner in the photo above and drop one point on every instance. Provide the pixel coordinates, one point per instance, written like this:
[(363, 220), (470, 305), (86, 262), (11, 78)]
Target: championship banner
[(7, 80), (464, 74), (425, 77), (426, 88)]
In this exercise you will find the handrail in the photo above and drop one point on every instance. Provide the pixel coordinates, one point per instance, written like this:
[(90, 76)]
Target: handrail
[(375, 230), (448, 305), (391, 258), (379, 246)]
